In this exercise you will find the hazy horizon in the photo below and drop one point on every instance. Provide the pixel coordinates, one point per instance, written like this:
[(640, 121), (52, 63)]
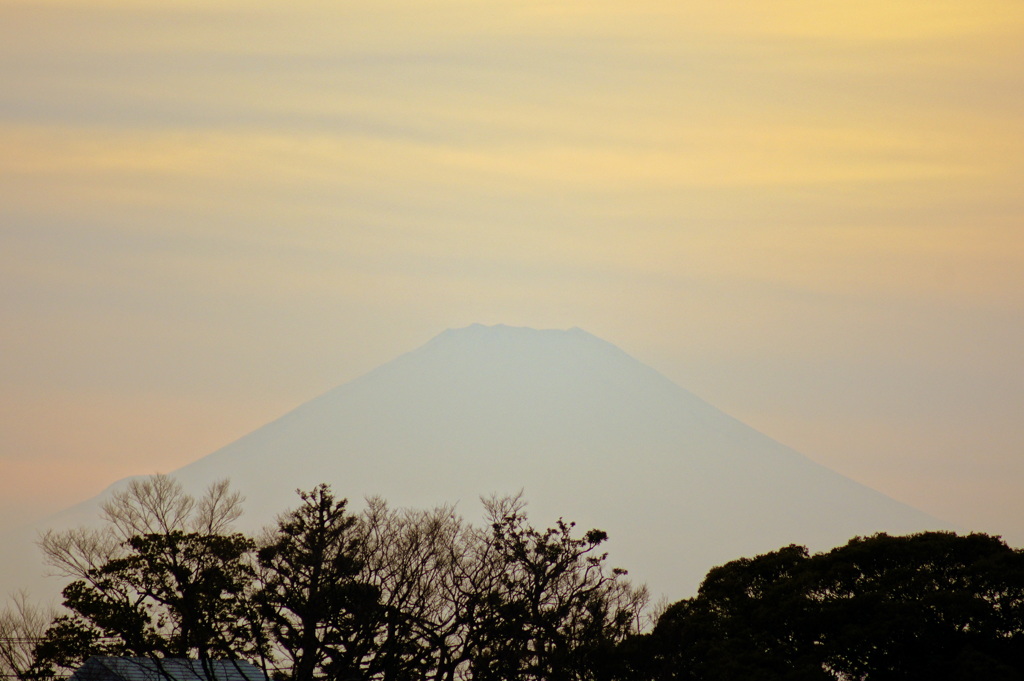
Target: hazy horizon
[(579, 428), (807, 214)]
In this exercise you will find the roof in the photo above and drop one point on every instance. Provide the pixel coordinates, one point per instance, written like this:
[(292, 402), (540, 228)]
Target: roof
[(166, 669)]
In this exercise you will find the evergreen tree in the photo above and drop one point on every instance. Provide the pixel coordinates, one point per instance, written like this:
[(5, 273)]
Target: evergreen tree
[(320, 613)]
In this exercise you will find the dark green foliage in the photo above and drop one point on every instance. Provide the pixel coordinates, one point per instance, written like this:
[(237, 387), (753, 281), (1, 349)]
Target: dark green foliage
[(929, 606)]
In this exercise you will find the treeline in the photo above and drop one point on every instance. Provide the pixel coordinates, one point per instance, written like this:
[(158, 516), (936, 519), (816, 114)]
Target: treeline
[(385, 594), (927, 607), (330, 595)]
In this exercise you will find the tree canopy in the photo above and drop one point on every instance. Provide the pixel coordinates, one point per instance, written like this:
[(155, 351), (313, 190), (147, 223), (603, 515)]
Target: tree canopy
[(927, 606), (162, 578), (326, 595), (401, 594)]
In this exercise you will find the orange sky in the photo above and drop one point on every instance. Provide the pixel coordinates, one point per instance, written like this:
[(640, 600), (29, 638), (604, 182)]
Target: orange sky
[(808, 213)]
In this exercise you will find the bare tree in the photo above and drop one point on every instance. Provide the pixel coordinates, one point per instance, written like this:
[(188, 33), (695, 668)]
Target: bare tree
[(22, 625), (504, 601), (79, 552), (412, 558), (554, 611), (157, 504), (382, 595)]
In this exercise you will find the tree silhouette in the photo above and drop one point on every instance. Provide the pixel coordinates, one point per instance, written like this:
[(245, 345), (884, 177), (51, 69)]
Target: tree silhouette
[(321, 615), (163, 578), (554, 611), (927, 606)]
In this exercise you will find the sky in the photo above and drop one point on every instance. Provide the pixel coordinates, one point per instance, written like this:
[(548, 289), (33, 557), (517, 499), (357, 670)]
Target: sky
[(807, 212)]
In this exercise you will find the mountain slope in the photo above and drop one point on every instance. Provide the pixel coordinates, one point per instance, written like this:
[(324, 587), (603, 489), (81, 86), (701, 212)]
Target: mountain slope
[(586, 431)]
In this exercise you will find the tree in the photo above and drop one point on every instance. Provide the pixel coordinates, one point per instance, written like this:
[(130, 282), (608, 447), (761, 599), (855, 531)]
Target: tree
[(387, 595), (22, 625), (421, 562), (381, 595), (318, 610), (163, 578), (743, 623), (932, 605), (554, 611), (941, 606), (419, 594)]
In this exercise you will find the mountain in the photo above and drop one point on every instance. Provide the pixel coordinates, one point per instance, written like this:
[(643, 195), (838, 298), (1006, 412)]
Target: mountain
[(583, 429)]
